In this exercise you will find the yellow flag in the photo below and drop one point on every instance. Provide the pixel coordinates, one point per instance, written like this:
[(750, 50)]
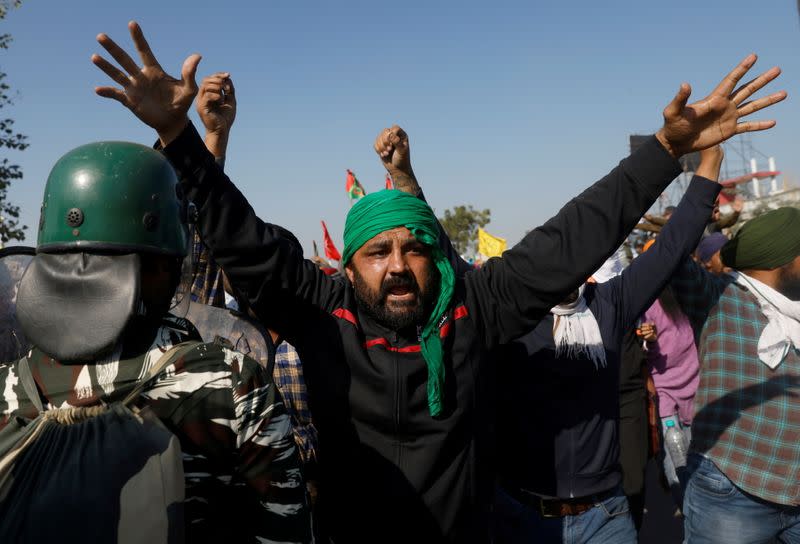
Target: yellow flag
[(489, 245)]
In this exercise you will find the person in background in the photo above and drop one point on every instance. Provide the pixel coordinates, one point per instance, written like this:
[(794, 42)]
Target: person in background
[(653, 223), (718, 222), (634, 449), (634, 436), (673, 363), (707, 253), (216, 105), (560, 477), (743, 468)]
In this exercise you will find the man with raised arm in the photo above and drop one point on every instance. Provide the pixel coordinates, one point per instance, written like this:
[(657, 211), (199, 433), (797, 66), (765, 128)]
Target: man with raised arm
[(743, 467), (401, 401), (558, 407)]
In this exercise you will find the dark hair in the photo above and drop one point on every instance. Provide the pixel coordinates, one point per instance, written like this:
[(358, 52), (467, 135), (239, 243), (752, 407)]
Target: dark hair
[(670, 304)]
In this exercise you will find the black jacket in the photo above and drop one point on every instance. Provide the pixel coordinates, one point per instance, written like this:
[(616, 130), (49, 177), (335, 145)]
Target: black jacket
[(558, 417), (389, 471)]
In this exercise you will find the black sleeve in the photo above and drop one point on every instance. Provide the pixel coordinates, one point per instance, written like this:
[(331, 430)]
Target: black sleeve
[(640, 284), (510, 294), (264, 262)]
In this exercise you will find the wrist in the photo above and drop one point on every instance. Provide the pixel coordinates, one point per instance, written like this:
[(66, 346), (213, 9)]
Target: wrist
[(667, 145), (404, 170), (216, 143), (169, 133), (709, 171)]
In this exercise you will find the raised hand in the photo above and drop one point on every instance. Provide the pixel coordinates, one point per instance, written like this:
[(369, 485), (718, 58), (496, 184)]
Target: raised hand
[(392, 147), (156, 98), (216, 105), (716, 118)]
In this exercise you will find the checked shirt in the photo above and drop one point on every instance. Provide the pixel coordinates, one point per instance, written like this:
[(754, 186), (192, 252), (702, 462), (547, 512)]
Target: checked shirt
[(747, 417), (291, 383)]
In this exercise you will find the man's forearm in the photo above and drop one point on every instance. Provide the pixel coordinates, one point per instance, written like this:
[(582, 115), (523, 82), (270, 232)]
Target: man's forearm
[(728, 220), (217, 144), (515, 291), (647, 275), (259, 258), (406, 182), (655, 219), (648, 227)]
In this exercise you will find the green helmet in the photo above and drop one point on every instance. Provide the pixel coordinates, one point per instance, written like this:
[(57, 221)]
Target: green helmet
[(113, 196)]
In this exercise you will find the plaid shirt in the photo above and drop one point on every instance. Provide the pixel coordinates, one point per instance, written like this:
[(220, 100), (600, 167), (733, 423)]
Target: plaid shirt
[(747, 416), (289, 378), (206, 276)]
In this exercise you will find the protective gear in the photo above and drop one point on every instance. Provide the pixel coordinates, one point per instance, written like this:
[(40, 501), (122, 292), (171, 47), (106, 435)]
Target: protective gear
[(113, 196), (13, 262), (105, 204), (74, 306)]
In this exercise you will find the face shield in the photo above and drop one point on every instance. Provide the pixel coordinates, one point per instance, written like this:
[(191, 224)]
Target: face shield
[(179, 306), (13, 263)]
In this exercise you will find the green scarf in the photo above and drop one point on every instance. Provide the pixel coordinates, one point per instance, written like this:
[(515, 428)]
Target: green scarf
[(766, 242), (386, 210)]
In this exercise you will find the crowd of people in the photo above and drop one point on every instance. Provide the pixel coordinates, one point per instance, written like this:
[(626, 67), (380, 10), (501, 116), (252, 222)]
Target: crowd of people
[(409, 396)]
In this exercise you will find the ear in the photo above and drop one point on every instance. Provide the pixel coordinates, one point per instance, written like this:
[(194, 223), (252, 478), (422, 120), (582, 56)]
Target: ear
[(348, 269)]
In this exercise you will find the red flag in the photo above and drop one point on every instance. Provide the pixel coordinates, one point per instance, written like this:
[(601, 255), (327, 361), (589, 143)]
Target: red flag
[(389, 182), (330, 250), (353, 187)]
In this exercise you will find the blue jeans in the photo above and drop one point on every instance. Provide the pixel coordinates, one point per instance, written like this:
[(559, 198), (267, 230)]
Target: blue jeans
[(718, 512), (609, 522)]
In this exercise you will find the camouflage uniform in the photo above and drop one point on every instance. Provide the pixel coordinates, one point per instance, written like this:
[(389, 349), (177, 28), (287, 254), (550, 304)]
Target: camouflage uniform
[(243, 481)]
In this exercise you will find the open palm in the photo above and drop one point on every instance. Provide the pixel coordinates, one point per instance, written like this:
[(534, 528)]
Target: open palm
[(155, 97), (716, 118)]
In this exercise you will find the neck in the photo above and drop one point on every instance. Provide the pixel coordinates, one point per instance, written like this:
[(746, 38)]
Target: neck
[(767, 277)]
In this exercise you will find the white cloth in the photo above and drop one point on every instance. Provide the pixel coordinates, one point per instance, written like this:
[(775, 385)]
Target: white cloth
[(576, 332), (613, 266), (230, 302), (783, 329)]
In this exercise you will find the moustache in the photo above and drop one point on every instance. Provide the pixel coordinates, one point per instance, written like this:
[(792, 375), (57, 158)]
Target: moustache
[(398, 281)]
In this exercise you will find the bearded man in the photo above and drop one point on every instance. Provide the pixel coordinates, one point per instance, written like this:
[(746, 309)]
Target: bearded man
[(743, 465), (401, 401)]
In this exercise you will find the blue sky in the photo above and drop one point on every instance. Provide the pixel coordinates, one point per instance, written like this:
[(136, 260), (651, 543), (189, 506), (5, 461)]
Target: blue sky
[(513, 106)]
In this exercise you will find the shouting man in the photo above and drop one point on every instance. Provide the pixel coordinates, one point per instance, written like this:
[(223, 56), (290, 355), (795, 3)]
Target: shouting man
[(401, 401)]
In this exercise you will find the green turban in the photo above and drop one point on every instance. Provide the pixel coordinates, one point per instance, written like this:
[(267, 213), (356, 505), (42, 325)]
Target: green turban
[(390, 209), (766, 242)]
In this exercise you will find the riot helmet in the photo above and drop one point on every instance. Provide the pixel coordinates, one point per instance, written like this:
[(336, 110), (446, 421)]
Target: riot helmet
[(107, 207), (116, 197)]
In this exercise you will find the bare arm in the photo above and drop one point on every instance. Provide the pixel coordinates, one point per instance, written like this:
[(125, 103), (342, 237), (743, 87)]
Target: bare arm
[(216, 106), (392, 146)]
